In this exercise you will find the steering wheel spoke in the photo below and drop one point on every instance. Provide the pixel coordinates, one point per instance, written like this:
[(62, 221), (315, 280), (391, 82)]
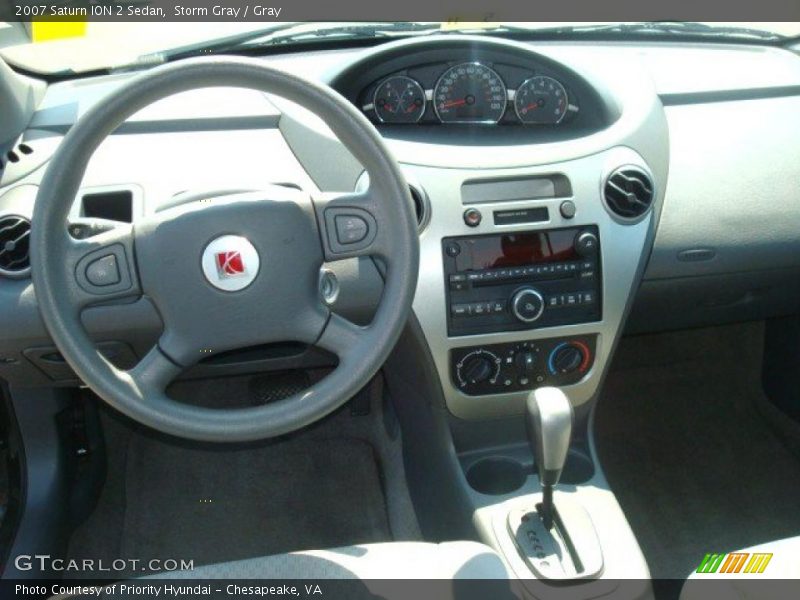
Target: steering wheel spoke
[(340, 336), (353, 224), (103, 267), (154, 372)]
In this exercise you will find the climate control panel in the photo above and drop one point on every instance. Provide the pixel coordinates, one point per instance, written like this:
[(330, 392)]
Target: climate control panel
[(518, 366)]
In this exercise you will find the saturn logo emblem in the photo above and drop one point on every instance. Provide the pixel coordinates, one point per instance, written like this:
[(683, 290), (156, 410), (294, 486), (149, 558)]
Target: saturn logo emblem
[(230, 263)]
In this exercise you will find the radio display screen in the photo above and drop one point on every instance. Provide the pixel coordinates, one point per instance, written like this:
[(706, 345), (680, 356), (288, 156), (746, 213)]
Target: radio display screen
[(516, 249)]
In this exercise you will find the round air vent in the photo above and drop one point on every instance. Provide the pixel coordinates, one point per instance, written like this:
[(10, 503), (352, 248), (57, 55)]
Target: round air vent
[(422, 206), (628, 192), (15, 235)]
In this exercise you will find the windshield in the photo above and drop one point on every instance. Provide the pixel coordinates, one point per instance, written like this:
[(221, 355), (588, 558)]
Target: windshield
[(110, 45)]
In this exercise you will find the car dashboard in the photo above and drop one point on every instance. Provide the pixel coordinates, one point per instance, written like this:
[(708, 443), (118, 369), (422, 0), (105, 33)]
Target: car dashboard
[(564, 192)]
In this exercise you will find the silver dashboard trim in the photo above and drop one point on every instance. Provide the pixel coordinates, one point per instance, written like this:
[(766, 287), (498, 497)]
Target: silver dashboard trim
[(624, 248)]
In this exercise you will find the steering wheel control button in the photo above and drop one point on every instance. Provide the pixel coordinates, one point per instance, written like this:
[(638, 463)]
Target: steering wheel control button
[(527, 305), (230, 263), (567, 209), (472, 217), (351, 229), (103, 271)]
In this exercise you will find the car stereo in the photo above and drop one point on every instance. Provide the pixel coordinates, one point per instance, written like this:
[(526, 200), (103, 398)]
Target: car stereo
[(522, 280)]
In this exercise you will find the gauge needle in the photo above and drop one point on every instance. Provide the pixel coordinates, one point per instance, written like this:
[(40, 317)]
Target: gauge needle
[(531, 106), (410, 108), (454, 103)]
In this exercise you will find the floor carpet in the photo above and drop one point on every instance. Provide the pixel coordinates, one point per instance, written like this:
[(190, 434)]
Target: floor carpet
[(684, 445)]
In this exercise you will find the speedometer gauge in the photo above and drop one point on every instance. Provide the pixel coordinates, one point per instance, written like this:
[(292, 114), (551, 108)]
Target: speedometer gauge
[(541, 100), (399, 99), (470, 93)]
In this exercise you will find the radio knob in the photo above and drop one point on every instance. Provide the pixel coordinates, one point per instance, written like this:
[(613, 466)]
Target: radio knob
[(527, 305), (586, 244)]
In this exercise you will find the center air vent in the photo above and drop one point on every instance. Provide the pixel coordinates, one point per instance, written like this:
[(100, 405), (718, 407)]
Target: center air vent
[(15, 233), (628, 192)]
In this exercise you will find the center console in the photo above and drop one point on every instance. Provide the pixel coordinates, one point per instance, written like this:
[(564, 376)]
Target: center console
[(530, 256)]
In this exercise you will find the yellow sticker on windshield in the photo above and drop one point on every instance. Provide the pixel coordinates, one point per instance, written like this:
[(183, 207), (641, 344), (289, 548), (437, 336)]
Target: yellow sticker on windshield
[(44, 31)]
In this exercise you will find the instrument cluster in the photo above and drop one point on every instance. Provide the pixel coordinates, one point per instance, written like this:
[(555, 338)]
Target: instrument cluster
[(470, 92)]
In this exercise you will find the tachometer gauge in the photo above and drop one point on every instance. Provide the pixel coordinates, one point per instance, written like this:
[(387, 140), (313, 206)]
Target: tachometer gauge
[(470, 93), (541, 100), (399, 99)]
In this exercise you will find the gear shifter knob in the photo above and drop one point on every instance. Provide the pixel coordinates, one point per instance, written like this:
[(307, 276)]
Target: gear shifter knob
[(549, 424)]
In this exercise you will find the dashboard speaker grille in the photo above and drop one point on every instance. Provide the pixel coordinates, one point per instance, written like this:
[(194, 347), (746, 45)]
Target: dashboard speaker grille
[(628, 192), (15, 235)]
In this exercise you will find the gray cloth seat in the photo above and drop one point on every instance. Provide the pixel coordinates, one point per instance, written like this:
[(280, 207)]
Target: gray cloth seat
[(393, 560), (377, 566)]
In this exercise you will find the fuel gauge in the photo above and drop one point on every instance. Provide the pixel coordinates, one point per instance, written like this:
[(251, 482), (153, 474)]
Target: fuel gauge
[(399, 99)]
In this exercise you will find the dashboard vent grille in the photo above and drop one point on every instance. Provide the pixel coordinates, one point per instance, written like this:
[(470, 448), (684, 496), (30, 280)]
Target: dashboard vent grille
[(628, 192), (15, 154), (15, 233)]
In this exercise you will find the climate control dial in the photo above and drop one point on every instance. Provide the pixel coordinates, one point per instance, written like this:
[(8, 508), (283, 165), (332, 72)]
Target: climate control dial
[(479, 366), (568, 357)]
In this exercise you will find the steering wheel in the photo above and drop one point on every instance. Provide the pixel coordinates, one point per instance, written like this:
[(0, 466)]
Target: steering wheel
[(230, 272)]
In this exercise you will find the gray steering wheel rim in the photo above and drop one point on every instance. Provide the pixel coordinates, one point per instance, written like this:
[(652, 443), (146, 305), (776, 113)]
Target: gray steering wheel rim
[(49, 238)]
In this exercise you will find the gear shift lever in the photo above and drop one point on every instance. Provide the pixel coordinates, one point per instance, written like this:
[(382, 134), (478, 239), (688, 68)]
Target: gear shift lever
[(549, 425)]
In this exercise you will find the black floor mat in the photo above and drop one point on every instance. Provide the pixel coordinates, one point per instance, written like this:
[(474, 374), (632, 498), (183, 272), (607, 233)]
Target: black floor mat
[(695, 467), (213, 505)]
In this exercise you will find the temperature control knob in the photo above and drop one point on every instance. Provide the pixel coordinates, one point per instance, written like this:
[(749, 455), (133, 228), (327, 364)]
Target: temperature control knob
[(568, 357), (527, 305)]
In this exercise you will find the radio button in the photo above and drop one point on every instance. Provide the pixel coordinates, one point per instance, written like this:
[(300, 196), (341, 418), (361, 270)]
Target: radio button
[(458, 282), (460, 310), (452, 249), (498, 306)]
